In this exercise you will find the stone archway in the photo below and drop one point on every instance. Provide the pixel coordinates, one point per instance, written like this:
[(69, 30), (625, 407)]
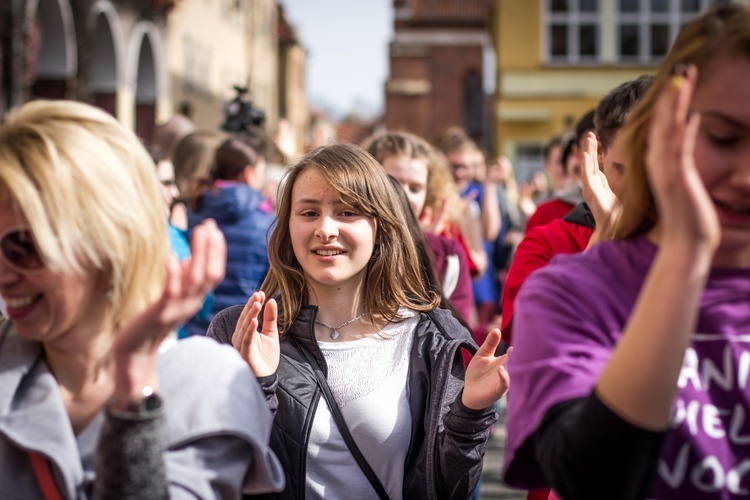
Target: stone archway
[(145, 92)]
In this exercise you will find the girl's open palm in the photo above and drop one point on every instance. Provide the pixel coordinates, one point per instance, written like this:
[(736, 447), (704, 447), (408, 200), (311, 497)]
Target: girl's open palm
[(259, 348), (486, 376)]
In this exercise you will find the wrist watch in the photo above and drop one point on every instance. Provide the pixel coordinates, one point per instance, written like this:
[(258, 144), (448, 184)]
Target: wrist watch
[(148, 401)]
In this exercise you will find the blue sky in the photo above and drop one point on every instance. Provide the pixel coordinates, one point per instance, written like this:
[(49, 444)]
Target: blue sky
[(347, 45)]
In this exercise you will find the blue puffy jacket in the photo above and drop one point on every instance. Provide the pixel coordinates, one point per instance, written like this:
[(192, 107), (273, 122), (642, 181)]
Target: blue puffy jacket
[(244, 216)]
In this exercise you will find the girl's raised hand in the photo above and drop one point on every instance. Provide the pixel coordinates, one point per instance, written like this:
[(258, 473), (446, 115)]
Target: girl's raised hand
[(687, 217), (486, 376), (259, 348)]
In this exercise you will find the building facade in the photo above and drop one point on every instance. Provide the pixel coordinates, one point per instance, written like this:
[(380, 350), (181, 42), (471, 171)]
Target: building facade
[(217, 45), (557, 58), (145, 60), (106, 52), (440, 60)]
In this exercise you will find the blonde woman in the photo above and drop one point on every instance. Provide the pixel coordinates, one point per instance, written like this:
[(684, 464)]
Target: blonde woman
[(92, 297)]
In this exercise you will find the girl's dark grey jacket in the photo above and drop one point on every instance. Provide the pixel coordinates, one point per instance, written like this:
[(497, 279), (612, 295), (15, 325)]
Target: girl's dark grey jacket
[(444, 458)]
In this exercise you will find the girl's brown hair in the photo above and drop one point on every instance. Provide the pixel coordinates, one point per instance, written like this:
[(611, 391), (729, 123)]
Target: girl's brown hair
[(392, 278), (725, 28)]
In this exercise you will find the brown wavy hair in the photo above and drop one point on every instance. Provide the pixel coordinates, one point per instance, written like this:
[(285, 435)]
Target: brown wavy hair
[(392, 278), (722, 29)]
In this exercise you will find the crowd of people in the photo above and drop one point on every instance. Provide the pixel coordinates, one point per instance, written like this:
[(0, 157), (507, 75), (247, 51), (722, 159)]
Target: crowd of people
[(180, 320)]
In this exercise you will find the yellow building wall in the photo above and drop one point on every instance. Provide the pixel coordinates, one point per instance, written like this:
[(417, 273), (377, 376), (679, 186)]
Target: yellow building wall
[(536, 100), (263, 60), (519, 34), (206, 55)]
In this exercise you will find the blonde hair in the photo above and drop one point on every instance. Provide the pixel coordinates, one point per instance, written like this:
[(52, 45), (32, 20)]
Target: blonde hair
[(440, 185), (723, 29), (88, 189), (393, 277)]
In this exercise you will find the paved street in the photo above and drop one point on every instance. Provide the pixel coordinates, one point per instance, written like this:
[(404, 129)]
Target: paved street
[(492, 488)]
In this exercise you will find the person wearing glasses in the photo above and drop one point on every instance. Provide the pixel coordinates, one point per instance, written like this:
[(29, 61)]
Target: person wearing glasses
[(93, 402)]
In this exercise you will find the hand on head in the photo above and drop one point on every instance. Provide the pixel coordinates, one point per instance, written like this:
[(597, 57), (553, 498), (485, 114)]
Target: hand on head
[(686, 213), (602, 202)]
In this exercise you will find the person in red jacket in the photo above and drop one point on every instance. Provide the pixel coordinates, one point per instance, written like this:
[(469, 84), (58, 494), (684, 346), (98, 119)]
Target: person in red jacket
[(603, 165), (564, 200), (573, 232)]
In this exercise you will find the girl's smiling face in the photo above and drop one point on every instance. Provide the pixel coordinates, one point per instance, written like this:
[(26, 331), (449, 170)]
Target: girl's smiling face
[(332, 241)]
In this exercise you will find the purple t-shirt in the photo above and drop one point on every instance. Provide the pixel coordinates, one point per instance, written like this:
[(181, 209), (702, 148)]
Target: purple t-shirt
[(570, 315)]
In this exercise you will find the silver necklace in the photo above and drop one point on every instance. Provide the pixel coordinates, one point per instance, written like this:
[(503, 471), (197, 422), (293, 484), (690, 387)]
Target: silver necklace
[(335, 329)]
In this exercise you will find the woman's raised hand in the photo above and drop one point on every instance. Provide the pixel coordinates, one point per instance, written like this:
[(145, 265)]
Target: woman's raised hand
[(596, 191), (486, 376), (687, 217), (259, 348), (187, 284)]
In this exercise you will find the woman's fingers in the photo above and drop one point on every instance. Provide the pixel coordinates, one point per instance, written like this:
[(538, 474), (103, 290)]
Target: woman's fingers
[(667, 133), (195, 274), (207, 263), (687, 215), (590, 158)]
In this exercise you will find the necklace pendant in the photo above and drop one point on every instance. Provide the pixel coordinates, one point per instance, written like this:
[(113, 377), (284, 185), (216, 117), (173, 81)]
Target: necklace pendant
[(334, 334)]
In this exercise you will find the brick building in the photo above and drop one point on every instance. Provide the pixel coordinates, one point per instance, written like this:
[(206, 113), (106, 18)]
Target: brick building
[(144, 60), (441, 68)]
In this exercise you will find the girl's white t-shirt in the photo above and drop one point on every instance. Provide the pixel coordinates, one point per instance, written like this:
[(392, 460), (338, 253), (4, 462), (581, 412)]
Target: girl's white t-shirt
[(368, 379)]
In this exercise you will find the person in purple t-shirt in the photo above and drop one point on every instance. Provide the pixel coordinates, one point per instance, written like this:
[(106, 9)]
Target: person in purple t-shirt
[(632, 378)]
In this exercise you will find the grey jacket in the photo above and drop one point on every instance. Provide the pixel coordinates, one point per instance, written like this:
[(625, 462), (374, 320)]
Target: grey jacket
[(444, 458), (211, 437)]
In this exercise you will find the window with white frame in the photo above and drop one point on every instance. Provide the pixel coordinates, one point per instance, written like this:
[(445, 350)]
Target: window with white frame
[(645, 29), (573, 30)]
